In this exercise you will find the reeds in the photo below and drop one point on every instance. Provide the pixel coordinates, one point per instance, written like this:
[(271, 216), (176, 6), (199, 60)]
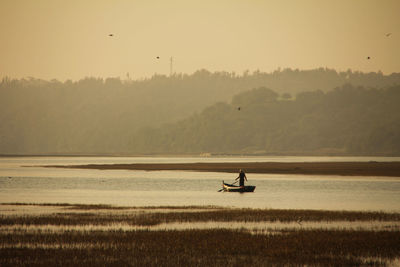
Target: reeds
[(200, 248), (217, 215), (190, 247)]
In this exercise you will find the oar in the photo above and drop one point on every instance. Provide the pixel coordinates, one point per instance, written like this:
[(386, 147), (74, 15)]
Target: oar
[(222, 187)]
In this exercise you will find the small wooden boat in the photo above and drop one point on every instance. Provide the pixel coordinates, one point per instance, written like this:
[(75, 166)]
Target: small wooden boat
[(235, 188)]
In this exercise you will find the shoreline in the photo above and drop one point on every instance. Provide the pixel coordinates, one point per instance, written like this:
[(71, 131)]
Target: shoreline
[(391, 169)]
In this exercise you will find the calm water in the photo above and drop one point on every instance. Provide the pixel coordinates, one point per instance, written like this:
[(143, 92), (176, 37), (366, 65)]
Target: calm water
[(34, 184)]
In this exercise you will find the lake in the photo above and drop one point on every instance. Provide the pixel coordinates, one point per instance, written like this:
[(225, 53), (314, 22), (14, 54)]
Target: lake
[(23, 180)]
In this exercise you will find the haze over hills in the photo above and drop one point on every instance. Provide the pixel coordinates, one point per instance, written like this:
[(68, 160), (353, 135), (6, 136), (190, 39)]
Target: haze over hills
[(345, 121), (290, 111)]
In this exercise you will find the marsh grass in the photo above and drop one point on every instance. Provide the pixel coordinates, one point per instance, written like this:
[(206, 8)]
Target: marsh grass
[(268, 215), (228, 215), (200, 248), (193, 247)]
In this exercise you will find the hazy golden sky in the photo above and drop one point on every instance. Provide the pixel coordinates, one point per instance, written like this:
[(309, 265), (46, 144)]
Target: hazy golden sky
[(68, 39)]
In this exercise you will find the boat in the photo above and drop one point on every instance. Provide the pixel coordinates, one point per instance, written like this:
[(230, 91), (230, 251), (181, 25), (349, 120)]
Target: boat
[(235, 188)]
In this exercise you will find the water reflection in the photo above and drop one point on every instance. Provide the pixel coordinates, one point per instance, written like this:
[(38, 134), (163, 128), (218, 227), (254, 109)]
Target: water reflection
[(179, 188)]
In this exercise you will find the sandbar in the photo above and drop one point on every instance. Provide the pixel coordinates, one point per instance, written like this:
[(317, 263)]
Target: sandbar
[(374, 168)]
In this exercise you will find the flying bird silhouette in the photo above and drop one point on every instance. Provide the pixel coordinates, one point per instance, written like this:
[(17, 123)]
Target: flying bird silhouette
[(368, 57), (239, 108), (158, 57), (388, 34), (111, 35), (299, 220)]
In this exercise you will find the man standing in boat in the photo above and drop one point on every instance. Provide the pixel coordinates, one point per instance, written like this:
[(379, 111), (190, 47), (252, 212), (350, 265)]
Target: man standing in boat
[(242, 177)]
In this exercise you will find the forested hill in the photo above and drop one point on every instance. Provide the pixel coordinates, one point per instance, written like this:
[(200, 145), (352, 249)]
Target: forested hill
[(345, 121), (96, 116)]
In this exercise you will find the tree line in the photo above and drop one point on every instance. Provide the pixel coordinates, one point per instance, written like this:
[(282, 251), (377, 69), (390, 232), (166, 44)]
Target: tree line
[(348, 120), (97, 116)]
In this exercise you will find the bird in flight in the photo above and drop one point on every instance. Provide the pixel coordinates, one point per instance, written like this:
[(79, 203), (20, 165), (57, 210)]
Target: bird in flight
[(368, 57), (299, 220), (388, 34), (158, 57), (239, 108), (111, 35)]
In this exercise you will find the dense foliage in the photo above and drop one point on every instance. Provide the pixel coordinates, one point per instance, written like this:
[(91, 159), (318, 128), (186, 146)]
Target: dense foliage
[(126, 116), (347, 120)]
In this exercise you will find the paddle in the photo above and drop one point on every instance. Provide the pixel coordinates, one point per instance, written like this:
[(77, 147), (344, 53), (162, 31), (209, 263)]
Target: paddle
[(222, 187)]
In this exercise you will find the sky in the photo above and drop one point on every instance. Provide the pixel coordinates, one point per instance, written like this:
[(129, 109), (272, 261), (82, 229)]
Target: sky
[(60, 39)]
